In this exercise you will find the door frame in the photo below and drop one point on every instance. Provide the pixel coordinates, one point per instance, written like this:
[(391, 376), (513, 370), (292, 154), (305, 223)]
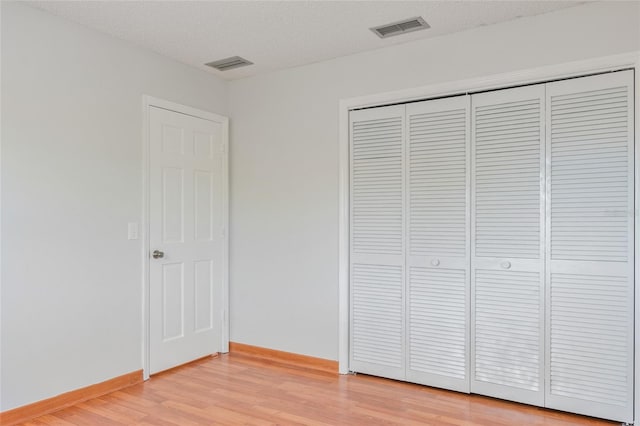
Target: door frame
[(147, 103), (450, 88)]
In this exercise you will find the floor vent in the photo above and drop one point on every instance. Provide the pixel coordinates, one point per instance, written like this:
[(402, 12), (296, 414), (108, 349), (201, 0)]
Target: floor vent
[(229, 63), (400, 27)]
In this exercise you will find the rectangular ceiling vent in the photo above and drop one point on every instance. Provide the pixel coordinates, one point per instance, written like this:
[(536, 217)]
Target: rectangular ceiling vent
[(400, 27), (229, 63)]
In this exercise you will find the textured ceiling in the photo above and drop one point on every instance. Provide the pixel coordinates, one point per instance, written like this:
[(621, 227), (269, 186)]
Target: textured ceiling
[(279, 34)]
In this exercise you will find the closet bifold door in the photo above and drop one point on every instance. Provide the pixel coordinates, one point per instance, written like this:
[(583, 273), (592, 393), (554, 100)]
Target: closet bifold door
[(377, 255), (590, 282), (437, 303), (507, 257)]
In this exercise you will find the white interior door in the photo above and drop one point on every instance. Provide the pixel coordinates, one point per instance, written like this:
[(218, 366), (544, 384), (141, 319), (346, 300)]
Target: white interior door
[(590, 269), (186, 238), (507, 351), (438, 135), (377, 242)]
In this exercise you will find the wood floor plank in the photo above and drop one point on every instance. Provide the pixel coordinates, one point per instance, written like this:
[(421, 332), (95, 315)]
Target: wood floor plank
[(238, 389)]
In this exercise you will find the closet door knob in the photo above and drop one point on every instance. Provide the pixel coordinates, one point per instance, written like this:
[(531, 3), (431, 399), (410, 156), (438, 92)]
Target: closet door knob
[(506, 264), (435, 262)]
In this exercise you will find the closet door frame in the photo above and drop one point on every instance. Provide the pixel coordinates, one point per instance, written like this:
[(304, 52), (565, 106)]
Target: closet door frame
[(491, 82)]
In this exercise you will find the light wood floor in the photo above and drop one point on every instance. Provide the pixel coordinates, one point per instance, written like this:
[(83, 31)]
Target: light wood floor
[(240, 390)]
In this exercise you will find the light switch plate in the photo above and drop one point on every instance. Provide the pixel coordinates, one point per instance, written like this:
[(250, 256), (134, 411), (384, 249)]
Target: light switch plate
[(132, 230)]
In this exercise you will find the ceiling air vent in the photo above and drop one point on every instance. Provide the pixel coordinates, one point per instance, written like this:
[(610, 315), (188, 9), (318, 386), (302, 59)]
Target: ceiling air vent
[(229, 63), (400, 27)]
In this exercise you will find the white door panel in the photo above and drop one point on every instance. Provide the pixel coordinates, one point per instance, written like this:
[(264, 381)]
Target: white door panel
[(185, 224), (590, 285), (438, 137), (507, 257), (377, 242)]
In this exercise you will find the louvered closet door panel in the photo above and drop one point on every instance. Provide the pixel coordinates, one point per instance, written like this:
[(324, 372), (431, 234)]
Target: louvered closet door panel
[(377, 241), (438, 137), (590, 256), (507, 252)]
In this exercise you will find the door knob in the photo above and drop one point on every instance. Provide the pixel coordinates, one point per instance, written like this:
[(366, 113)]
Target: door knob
[(506, 264), (157, 254), (435, 262)]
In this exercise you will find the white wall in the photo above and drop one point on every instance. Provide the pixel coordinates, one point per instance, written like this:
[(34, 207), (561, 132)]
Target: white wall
[(284, 157), (71, 180)]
